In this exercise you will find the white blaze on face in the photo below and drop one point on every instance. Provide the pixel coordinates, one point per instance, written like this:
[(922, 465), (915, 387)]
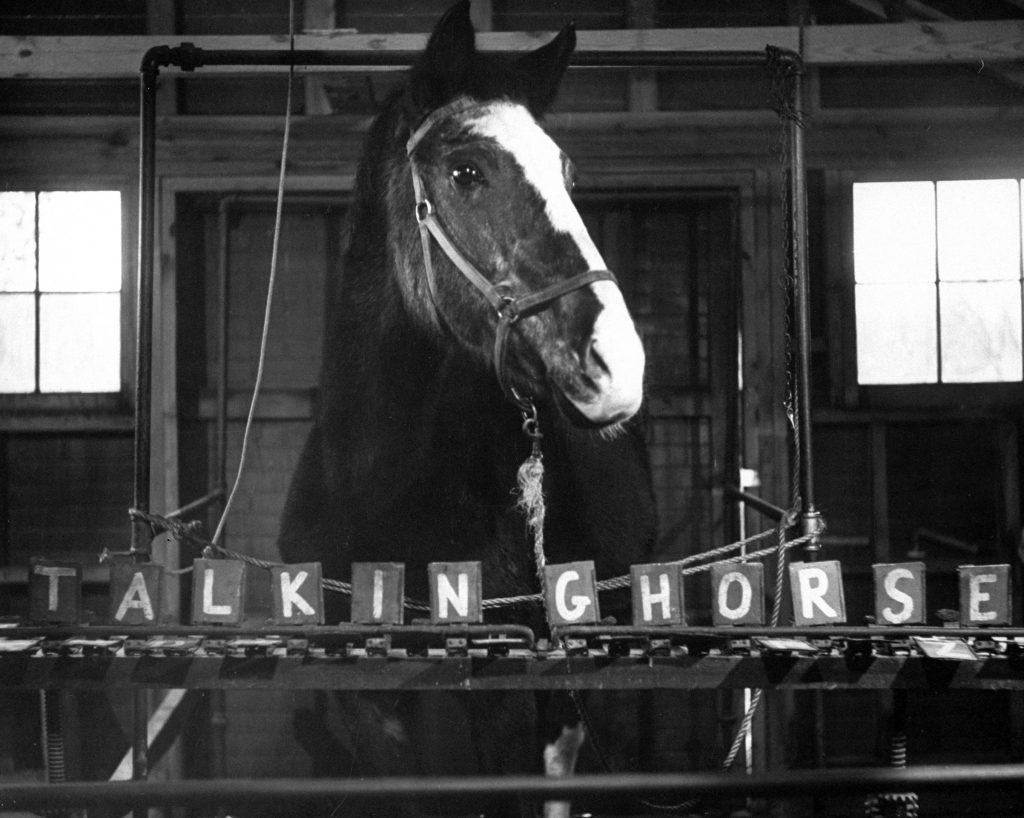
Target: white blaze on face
[(615, 340)]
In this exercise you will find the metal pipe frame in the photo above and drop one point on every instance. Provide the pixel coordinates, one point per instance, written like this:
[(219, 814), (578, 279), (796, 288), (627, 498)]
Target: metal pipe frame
[(188, 57), (497, 789)]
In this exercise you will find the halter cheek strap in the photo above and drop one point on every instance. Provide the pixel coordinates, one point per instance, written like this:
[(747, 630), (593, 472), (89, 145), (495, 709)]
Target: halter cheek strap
[(509, 309)]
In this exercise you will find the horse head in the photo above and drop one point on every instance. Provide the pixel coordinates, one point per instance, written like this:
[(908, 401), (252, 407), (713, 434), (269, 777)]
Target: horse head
[(504, 264)]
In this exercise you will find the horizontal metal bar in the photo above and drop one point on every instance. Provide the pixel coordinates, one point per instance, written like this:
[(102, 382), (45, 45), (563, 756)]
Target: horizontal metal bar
[(234, 792), (189, 57)]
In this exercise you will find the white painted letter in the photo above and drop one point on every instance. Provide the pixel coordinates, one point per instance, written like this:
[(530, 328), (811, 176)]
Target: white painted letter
[(746, 595), (579, 602), (813, 587), (137, 596), (663, 597), (977, 596), (53, 572), (290, 594), (208, 606), (898, 617), (447, 595)]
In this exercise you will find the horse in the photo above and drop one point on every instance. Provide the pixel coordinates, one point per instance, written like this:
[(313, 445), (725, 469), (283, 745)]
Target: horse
[(473, 302)]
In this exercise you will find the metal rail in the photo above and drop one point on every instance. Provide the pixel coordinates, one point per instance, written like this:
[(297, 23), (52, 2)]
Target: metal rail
[(497, 789)]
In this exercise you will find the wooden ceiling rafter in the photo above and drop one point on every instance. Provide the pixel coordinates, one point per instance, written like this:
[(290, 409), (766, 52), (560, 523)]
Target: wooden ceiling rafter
[(46, 58)]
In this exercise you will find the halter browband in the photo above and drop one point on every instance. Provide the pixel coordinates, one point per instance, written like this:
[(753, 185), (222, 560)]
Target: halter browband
[(509, 308)]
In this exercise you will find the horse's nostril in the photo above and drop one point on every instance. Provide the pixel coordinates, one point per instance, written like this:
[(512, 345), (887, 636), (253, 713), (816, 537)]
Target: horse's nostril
[(594, 364)]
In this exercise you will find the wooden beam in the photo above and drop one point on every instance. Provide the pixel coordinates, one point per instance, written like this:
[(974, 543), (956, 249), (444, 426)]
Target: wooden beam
[(890, 43)]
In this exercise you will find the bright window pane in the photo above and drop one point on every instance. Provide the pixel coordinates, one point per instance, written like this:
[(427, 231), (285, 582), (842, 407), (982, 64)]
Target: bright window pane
[(17, 242), (80, 343), (896, 335), (17, 343), (80, 241), (894, 232), (979, 230), (981, 332)]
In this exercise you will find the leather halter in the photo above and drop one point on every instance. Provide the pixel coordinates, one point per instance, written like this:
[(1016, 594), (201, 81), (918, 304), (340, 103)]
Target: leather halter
[(509, 308)]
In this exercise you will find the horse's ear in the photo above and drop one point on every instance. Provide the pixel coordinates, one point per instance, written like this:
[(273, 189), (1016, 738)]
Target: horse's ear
[(444, 70), (541, 71)]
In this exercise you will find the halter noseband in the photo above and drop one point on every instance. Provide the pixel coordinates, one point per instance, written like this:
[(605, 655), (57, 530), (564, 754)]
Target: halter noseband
[(509, 308)]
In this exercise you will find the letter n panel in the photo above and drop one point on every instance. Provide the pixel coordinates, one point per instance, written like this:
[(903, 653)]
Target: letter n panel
[(817, 589), (570, 594), (984, 595), (218, 588), (737, 594), (378, 593), (298, 594), (899, 593), (455, 593), (657, 594), (136, 593), (54, 591)]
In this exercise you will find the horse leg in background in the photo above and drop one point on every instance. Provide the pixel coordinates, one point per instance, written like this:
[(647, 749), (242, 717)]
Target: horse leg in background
[(560, 758)]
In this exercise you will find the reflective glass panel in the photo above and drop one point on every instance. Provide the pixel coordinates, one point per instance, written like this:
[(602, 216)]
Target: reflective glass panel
[(979, 230), (17, 343), (17, 241), (894, 232), (896, 333), (80, 241), (80, 343), (981, 332)]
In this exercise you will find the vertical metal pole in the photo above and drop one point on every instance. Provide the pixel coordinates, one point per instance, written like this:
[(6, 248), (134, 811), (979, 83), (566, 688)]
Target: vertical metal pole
[(809, 515), (144, 305), (141, 535)]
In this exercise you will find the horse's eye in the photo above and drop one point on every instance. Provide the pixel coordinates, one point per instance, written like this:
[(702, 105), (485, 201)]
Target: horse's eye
[(466, 175)]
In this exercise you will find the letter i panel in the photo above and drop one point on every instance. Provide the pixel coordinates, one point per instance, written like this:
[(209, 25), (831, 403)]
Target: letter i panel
[(899, 593), (136, 593), (570, 594), (54, 591), (298, 594), (218, 589), (657, 594), (984, 595), (737, 594), (455, 593), (378, 593), (817, 589)]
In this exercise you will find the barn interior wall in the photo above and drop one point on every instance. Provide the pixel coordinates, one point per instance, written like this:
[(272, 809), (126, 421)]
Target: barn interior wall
[(882, 472)]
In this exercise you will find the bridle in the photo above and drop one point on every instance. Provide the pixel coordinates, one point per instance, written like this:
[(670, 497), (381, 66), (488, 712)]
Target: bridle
[(510, 308)]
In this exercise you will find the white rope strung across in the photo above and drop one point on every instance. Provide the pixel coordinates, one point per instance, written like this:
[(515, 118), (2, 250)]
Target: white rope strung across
[(257, 386)]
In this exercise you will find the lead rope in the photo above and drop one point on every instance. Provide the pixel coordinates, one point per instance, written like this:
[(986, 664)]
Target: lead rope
[(530, 483)]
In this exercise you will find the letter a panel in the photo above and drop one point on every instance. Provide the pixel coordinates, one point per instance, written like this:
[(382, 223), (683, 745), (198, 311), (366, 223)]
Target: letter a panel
[(136, 593), (817, 589), (298, 594), (570, 595), (455, 593)]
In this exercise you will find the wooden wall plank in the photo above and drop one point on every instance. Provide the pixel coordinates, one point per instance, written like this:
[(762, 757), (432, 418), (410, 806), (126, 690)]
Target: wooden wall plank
[(878, 44)]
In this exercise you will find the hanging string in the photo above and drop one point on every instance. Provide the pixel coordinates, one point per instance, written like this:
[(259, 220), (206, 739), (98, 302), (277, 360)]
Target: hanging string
[(257, 386)]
